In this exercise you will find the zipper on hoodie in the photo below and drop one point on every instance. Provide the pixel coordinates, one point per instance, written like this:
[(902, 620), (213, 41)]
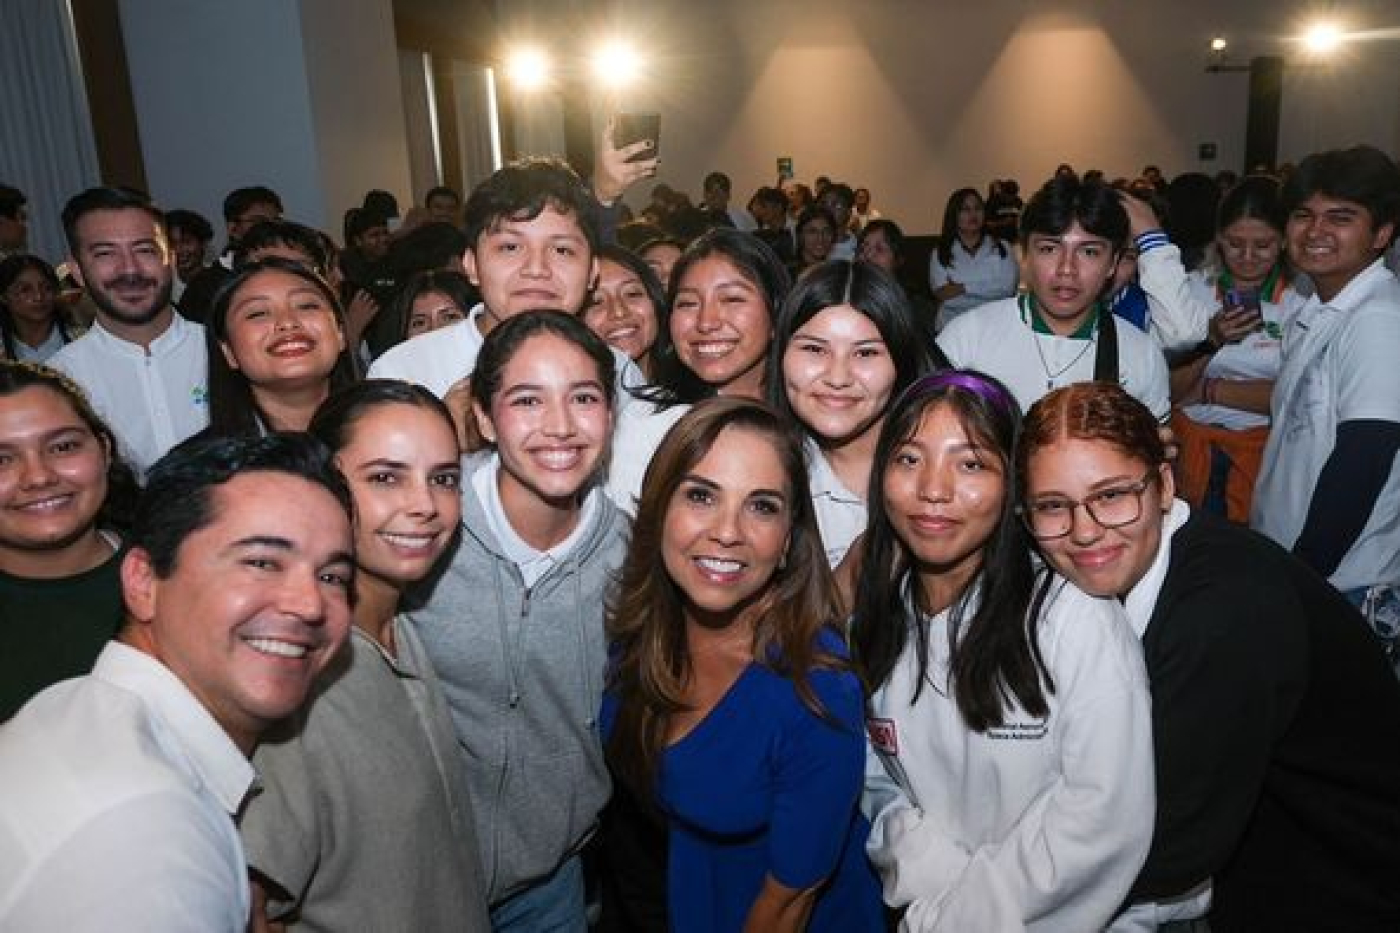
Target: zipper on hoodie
[(514, 698)]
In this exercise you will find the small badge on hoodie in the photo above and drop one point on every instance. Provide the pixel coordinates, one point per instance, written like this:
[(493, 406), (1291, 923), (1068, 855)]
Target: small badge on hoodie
[(884, 737)]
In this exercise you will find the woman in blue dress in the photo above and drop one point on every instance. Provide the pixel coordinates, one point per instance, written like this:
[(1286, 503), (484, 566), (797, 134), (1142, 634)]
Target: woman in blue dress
[(732, 708)]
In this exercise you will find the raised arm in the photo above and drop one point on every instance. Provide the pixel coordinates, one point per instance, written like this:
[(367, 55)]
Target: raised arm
[(613, 174), (1179, 320)]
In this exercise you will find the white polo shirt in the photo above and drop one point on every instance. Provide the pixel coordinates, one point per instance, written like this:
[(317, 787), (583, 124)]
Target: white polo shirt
[(841, 514), (999, 339), (1341, 362), (117, 812), (152, 397)]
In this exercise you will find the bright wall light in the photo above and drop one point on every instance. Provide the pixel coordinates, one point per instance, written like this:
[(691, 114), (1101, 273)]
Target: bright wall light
[(1322, 38), (1219, 44), (616, 64), (528, 68)]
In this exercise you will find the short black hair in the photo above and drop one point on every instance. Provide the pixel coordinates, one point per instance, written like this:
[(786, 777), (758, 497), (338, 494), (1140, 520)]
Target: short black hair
[(842, 192), (433, 245), (719, 179), (771, 196), (11, 200), (381, 202), (284, 233), (359, 220), (441, 191), (1066, 199), (178, 499), (1362, 174), (522, 190), (237, 201), (105, 199), (192, 223)]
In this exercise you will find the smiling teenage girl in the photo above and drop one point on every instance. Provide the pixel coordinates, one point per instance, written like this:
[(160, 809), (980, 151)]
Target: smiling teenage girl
[(1010, 781), (514, 621)]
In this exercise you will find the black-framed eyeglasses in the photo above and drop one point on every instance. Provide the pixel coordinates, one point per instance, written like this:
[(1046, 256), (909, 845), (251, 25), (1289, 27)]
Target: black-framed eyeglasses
[(1053, 516)]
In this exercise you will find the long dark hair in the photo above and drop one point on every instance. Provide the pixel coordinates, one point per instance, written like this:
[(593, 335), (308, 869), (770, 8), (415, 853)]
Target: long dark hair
[(119, 505), (994, 653), (755, 261), (1257, 197), (949, 234), (506, 339), (11, 268), (871, 291), (454, 285), (644, 617), (233, 410)]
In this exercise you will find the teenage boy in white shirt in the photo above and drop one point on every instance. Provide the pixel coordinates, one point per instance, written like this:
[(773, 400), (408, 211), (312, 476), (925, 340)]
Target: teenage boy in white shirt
[(1073, 234), (1329, 488)]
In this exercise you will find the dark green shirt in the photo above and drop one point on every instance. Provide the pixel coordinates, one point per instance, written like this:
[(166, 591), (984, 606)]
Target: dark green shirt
[(54, 629)]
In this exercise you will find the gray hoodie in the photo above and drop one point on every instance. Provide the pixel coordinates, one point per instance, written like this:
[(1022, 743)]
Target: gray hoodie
[(523, 674)]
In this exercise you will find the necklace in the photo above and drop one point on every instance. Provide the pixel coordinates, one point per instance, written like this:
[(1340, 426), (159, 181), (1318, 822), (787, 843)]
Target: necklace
[(1050, 377)]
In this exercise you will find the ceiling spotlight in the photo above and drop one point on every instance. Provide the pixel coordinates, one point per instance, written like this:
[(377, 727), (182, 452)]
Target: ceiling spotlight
[(616, 64), (528, 68), (1322, 38), (1219, 44)]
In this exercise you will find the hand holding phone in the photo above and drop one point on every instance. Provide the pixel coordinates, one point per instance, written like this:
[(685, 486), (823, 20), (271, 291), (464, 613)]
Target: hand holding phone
[(1241, 316), (629, 128)]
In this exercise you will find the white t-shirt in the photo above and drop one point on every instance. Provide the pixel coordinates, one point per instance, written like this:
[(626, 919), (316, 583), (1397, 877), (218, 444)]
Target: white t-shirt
[(117, 813), (1040, 824), (986, 275), (1257, 356), (151, 398), (1341, 362), (999, 340), (437, 360)]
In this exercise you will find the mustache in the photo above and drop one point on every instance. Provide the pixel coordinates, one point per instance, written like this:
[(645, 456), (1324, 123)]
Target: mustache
[(131, 281)]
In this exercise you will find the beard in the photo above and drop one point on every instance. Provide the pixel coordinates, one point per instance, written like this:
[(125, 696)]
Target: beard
[(136, 316)]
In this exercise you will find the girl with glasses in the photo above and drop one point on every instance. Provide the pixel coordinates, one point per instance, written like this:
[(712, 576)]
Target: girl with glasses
[(1010, 780), (1222, 389), (1269, 693)]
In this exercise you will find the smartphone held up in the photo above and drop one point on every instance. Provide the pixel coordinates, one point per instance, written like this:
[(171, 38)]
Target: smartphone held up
[(629, 128)]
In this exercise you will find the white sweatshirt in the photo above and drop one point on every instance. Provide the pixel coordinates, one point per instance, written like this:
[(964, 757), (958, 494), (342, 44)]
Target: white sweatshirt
[(1038, 824)]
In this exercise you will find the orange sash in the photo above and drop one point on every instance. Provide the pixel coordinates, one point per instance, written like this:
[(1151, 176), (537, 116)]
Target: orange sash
[(1199, 443)]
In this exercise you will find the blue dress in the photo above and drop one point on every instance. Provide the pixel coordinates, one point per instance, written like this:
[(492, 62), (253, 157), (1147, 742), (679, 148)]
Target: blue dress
[(762, 786)]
